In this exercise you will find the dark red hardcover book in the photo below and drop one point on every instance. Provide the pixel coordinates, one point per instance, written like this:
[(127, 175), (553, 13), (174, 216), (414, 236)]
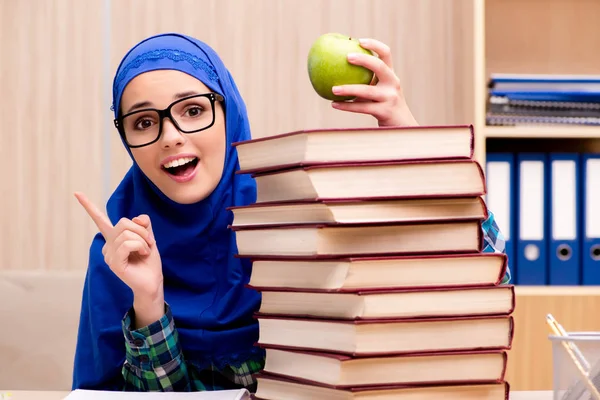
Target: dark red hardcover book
[(361, 144), (364, 338), (390, 303), (287, 269), (353, 240), (458, 367), (382, 180), (299, 385)]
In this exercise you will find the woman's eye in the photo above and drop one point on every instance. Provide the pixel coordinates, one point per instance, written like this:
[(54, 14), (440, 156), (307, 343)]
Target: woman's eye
[(193, 111), (143, 124)]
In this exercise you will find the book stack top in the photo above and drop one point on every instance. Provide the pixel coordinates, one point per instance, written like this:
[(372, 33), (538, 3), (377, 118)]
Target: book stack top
[(366, 245)]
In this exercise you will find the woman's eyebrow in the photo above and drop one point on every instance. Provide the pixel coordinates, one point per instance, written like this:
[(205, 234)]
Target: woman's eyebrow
[(148, 103), (139, 105), (185, 94)]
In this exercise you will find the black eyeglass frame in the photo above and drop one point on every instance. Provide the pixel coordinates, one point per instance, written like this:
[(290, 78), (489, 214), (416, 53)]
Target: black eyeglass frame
[(166, 113)]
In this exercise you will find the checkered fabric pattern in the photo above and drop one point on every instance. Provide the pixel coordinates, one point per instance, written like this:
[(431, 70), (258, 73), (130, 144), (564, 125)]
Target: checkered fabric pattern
[(155, 362)]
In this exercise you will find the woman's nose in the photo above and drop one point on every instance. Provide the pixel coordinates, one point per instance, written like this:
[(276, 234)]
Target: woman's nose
[(171, 136)]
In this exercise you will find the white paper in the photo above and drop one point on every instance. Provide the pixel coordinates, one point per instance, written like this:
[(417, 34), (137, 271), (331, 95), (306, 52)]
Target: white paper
[(531, 201), (80, 394), (564, 196), (592, 197)]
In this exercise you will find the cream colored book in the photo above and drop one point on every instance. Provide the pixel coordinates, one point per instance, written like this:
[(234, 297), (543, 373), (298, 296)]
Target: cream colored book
[(354, 240), (355, 144), (277, 388), (390, 304), (426, 368), (387, 336), (368, 181), (349, 212), (348, 274)]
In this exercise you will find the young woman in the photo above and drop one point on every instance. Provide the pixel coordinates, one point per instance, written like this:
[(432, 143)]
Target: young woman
[(165, 307)]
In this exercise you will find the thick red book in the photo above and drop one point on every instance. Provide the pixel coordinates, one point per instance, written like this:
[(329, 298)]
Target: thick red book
[(334, 240), (380, 304), (385, 370), (387, 336), (275, 387), (362, 181), (317, 146), (359, 211), (383, 272)]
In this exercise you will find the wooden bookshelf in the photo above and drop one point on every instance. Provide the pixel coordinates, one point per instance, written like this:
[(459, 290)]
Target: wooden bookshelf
[(530, 37), (544, 132)]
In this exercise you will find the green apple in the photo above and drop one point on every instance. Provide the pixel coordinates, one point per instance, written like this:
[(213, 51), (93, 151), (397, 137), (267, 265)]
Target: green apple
[(328, 65)]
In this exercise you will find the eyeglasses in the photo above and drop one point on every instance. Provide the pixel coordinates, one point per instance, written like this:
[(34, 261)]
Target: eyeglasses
[(190, 114)]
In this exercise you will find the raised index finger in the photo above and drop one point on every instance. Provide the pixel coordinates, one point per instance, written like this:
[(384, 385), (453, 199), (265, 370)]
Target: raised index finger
[(101, 220)]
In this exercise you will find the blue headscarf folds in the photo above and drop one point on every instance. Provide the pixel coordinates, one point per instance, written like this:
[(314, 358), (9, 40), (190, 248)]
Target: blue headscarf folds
[(203, 281)]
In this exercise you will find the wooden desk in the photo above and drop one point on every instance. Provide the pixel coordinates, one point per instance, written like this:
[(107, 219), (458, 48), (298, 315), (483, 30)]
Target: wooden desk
[(32, 395), (41, 395), (532, 395)]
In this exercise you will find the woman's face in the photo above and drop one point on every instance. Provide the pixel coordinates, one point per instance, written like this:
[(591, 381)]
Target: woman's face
[(186, 167)]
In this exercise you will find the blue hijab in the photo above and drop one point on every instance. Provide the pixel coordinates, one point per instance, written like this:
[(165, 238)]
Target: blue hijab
[(204, 283)]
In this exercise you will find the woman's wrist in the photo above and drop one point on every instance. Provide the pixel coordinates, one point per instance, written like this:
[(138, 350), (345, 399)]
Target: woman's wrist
[(148, 308)]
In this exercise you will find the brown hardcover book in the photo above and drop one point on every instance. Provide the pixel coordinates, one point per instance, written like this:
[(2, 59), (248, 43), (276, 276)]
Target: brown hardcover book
[(360, 211), (386, 336), (390, 304), (369, 181), (424, 369), (385, 272), (355, 144), (359, 240), (273, 387)]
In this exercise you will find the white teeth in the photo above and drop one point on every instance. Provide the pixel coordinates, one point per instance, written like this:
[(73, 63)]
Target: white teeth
[(178, 162)]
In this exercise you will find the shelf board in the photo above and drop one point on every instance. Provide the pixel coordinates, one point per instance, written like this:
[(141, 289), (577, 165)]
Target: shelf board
[(543, 132), (552, 290)]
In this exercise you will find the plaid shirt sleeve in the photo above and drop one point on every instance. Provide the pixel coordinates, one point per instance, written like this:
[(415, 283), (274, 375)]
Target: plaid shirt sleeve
[(154, 359), (494, 241)]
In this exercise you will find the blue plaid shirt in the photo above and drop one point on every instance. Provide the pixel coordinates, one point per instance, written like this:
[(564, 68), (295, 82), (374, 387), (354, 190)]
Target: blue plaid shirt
[(494, 241)]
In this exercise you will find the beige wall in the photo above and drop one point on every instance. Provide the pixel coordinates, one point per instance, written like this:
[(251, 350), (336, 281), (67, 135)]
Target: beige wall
[(51, 126), (57, 60), (59, 56)]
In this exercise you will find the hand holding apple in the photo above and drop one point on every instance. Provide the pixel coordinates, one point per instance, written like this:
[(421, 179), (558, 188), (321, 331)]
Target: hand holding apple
[(381, 97)]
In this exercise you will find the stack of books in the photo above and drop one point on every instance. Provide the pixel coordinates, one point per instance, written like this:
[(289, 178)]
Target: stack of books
[(366, 245), (542, 99)]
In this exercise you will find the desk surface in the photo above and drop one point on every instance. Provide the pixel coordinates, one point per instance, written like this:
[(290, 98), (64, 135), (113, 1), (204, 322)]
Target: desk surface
[(31, 395), (44, 395), (534, 395)]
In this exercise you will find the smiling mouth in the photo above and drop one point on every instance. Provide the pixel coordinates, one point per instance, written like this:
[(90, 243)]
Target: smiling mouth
[(181, 167)]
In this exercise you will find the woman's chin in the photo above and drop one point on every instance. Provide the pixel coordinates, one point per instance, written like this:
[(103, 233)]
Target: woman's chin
[(188, 193)]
